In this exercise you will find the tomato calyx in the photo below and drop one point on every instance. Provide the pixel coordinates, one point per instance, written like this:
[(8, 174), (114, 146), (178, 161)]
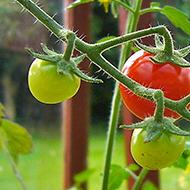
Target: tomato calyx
[(65, 63), (164, 52), (157, 124), (155, 129)]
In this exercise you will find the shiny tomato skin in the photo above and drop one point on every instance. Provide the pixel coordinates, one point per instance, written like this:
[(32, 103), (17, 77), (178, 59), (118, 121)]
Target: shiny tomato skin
[(173, 80), (158, 153), (49, 86)]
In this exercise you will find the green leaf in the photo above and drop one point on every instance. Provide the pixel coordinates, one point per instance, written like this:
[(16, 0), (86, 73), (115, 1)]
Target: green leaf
[(117, 175), (83, 176), (106, 39), (78, 2), (154, 4), (133, 167), (149, 186), (114, 9), (182, 162), (178, 18), (16, 139)]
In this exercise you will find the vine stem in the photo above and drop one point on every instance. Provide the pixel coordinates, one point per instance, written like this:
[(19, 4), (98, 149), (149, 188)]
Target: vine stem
[(93, 51), (140, 178), (117, 99), (111, 136), (159, 112)]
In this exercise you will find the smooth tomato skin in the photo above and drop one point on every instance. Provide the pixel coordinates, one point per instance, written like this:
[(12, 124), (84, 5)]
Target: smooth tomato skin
[(173, 80), (158, 153), (48, 86)]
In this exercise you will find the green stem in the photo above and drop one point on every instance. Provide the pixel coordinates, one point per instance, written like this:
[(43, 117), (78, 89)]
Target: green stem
[(101, 47), (140, 178), (133, 175), (12, 161), (116, 105), (70, 46), (159, 97), (152, 9), (111, 136), (93, 51)]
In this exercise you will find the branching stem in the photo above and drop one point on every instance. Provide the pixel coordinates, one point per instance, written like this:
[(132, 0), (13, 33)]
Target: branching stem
[(93, 51)]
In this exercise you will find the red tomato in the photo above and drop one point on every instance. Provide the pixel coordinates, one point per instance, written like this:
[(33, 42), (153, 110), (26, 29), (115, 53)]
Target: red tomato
[(173, 80)]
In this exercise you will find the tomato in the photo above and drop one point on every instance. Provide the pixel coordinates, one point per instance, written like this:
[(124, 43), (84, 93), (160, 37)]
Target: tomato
[(159, 153), (173, 80), (49, 86)]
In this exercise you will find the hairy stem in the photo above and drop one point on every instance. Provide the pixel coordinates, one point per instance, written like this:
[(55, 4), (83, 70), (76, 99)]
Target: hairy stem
[(93, 51), (116, 105)]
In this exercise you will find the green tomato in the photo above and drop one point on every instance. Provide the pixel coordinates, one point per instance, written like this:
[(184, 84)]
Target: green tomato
[(158, 153), (49, 86)]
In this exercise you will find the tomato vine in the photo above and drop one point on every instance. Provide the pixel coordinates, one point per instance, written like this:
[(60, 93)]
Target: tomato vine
[(163, 53)]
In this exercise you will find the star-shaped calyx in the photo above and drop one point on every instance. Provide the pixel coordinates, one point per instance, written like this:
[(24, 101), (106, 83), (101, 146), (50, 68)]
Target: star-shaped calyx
[(164, 54), (64, 64)]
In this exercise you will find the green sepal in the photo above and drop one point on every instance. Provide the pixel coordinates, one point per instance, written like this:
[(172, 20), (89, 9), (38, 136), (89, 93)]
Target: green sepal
[(162, 56), (152, 50), (64, 66), (52, 58), (139, 125), (155, 129), (79, 59), (182, 52), (85, 77)]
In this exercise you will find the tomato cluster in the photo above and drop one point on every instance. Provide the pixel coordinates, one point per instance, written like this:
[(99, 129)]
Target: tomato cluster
[(49, 86), (174, 81)]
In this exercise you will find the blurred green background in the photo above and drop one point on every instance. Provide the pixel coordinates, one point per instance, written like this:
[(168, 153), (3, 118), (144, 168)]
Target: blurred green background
[(43, 169)]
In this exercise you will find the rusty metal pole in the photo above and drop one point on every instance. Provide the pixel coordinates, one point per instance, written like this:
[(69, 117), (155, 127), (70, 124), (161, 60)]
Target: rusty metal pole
[(76, 110), (144, 22)]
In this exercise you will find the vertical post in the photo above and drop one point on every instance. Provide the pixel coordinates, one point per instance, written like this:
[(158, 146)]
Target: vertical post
[(76, 110), (144, 22)]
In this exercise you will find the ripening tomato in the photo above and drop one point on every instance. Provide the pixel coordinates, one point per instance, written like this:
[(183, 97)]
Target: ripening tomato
[(173, 80), (49, 86), (159, 153)]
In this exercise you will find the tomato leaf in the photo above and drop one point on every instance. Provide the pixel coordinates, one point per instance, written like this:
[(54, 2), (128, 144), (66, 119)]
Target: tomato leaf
[(178, 18), (78, 2), (154, 4), (149, 186), (182, 162), (105, 39), (114, 9), (15, 139), (118, 174), (83, 176)]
